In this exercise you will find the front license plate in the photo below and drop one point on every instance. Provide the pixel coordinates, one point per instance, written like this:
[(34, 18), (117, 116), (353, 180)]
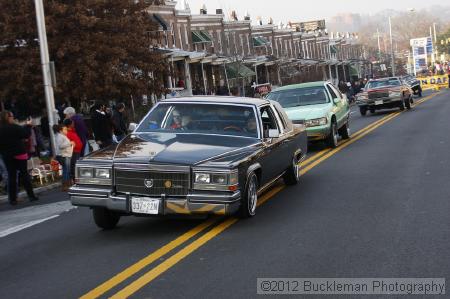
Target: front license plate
[(145, 205), (379, 102)]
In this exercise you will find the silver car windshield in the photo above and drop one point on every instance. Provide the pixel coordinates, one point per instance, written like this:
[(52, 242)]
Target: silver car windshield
[(300, 96), (383, 83), (202, 119)]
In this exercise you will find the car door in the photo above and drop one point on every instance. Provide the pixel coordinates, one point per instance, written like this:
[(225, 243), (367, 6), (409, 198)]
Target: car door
[(273, 147), (340, 107)]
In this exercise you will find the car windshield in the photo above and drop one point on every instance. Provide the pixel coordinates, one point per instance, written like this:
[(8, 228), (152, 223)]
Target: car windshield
[(383, 83), (232, 120), (300, 96)]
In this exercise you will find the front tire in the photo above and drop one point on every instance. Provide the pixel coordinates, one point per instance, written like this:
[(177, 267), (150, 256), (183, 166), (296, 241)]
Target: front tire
[(332, 139), (363, 111), (345, 130), (249, 200), (105, 218), (292, 175)]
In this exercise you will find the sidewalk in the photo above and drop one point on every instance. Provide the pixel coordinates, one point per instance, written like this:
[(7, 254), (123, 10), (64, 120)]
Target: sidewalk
[(38, 190)]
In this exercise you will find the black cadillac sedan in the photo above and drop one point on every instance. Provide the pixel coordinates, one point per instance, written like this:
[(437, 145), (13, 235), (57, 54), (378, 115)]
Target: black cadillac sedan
[(211, 155)]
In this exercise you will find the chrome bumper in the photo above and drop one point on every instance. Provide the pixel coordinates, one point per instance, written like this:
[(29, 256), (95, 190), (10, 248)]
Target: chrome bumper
[(194, 203)]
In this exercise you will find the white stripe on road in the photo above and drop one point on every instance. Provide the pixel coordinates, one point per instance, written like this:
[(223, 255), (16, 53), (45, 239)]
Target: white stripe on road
[(13, 221), (18, 228)]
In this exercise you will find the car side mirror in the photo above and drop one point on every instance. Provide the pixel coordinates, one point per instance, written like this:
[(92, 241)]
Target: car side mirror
[(336, 100), (132, 127)]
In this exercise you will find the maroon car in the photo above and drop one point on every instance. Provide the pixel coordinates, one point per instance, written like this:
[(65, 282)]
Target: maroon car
[(384, 93)]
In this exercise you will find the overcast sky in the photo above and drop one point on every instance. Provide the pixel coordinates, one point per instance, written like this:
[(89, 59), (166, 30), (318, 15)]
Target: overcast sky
[(301, 10)]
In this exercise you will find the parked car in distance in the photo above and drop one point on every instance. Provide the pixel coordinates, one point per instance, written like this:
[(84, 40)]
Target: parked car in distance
[(325, 110), (384, 93), (198, 155), (414, 83)]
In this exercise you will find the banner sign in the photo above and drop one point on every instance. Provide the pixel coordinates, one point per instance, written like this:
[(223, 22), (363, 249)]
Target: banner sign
[(433, 81)]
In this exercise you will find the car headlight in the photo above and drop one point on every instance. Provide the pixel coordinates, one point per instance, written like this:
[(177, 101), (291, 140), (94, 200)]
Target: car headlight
[(223, 181), (202, 178), (103, 173), (394, 94), (84, 172), (92, 176), (362, 97), (316, 122)]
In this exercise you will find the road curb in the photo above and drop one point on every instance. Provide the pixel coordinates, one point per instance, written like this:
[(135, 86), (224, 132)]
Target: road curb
[(39, 190)]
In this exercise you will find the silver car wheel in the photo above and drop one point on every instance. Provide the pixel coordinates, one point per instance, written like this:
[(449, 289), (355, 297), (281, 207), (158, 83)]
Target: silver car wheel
[(252, 196), (296, 167)]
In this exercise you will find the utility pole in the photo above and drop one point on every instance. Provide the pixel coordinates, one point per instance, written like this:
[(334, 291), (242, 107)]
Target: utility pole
[(379, 45), (392, 48), (45, 61)]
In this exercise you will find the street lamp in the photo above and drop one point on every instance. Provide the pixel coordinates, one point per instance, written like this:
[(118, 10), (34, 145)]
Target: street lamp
[(49, 97)]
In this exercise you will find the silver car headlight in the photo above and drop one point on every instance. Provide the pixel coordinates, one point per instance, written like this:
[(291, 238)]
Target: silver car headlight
[(394, 94), (93, 176), (316, 122), (219, 181)]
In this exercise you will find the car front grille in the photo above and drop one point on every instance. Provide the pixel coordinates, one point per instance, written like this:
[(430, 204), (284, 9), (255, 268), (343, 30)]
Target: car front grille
[(152, 182), (378, 95)]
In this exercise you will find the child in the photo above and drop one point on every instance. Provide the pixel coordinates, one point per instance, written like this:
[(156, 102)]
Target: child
[(64, 150)]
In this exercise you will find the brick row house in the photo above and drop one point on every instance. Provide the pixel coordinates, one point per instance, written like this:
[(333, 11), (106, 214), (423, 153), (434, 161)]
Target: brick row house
[(211, 54)]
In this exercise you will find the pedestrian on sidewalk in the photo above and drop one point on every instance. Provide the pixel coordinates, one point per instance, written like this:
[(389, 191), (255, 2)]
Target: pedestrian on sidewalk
[(78, 146), (64, 150), (80, 128), (119, 123), (102, 125), (14, 153)]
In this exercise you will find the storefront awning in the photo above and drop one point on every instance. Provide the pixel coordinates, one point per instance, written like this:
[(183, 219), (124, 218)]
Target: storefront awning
[(239, 70), (158, 19), (201, 37), (259, 41)]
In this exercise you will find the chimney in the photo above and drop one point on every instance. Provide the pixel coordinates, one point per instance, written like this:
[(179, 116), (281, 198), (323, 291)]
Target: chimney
[(270, 21), (234, 16), (203, 10), (219, 11), (247, 16)]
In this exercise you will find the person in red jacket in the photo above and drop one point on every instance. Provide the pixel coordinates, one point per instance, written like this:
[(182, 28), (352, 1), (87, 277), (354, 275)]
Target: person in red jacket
[(78, 145)]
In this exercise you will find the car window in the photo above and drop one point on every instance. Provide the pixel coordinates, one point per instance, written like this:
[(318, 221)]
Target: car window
[(283, 116), (236, 120), (268, 118), (384, 83), (331, 91), (300, 96)]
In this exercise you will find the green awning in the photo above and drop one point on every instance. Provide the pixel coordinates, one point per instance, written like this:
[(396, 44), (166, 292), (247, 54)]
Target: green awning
[(238, 70), (201, 37), (257, 42), (333, 49), (353, 71), (197, 37), (206, 36)]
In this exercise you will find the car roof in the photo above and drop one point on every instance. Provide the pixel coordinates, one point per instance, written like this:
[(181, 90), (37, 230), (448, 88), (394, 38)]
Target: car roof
[(385, 78), (219, 100), (301, 85)]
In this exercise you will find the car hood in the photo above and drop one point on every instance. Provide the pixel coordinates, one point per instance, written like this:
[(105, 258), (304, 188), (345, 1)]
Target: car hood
[(185, 149), (308, 112)]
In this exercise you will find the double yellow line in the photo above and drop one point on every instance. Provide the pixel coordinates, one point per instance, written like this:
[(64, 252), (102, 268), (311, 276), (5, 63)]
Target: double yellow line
[(216, 229)]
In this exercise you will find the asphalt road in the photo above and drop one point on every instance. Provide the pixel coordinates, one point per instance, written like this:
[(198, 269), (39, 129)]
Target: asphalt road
[(378, 206)]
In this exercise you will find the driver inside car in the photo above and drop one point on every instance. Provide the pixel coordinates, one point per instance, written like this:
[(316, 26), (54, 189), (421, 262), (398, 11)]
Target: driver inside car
[(251, 125), (180, 122)]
